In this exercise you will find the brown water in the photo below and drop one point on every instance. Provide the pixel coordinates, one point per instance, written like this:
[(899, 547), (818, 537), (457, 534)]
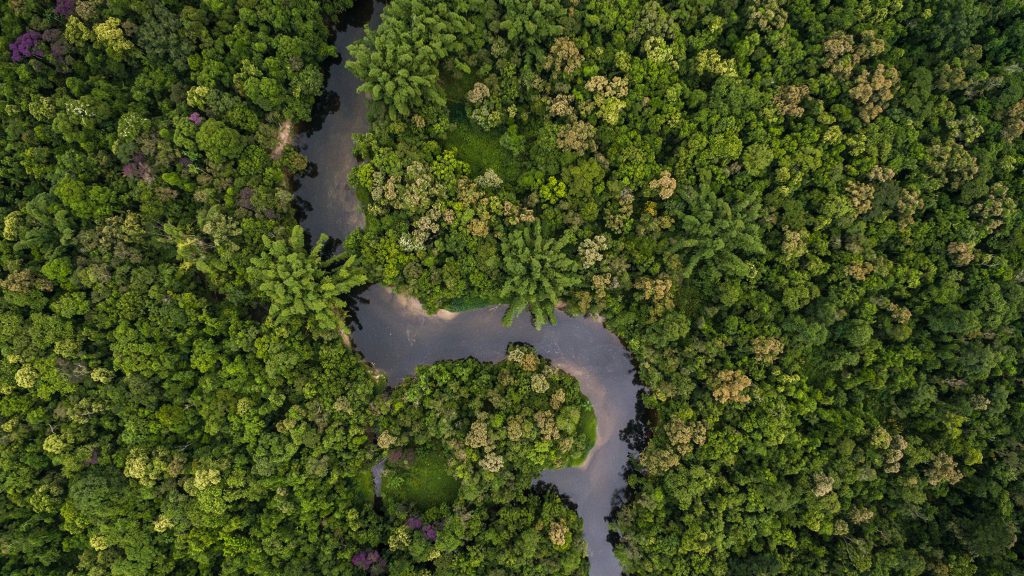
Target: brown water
[(396, 335)]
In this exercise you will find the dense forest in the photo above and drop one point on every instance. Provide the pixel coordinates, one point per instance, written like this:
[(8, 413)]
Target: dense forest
[(802, 217), (175, 394), (465, 442), (175, 397)]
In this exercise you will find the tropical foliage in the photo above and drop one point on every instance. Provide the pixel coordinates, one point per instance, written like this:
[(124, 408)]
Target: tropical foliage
[(175, 395), (466, 441), (498, 425), (803, 218)]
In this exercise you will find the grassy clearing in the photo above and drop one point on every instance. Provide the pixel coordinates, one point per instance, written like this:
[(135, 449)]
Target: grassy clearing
[(478, 147), (588, 425), (470, 302), (362, 488), (423, 484)]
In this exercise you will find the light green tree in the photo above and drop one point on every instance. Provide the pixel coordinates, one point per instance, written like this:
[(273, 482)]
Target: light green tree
[(399, 61), (539, 273), (301, 286)]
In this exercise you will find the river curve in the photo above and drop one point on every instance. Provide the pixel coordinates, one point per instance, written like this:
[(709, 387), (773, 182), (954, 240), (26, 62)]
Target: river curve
[(395, 334)]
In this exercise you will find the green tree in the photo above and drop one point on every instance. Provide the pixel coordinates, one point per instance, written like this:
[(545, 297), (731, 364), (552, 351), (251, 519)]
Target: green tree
[(399, 60), (540, 272), (301, 287)]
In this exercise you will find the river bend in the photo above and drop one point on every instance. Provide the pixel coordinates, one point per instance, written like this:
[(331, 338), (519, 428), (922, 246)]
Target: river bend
[(395, 334)]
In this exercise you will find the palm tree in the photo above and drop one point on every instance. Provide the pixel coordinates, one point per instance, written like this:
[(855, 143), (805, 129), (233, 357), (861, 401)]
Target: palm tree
[(300, 286), (539, 272)]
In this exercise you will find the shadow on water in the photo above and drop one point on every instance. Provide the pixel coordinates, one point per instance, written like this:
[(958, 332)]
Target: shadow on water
[(359, 15), (328, 103), (638, 433), (393, 332), (326, 140)]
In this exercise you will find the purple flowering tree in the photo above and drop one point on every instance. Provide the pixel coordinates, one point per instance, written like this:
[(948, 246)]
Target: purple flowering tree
[(27, 46), (366, 559), (137, 168), (429, 532), (54, 38), (33, 44), (64, 8)]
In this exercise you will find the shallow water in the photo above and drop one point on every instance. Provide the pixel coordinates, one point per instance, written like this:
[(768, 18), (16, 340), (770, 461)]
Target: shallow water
[(396, 335)]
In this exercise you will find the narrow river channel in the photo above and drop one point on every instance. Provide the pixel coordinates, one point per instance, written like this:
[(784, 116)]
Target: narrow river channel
[(394, 333)]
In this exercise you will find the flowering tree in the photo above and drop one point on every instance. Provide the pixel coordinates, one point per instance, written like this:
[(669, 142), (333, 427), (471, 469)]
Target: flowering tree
[(27, 46)]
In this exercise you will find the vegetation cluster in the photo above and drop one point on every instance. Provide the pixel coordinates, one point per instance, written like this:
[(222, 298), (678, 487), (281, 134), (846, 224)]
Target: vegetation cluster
[(466, 442), (176, 395), (803, 218)]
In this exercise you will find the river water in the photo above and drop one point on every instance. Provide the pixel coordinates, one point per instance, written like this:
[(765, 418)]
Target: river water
[(394, 333)]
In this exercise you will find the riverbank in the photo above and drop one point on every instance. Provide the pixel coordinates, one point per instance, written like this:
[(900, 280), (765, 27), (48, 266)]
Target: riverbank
[(395, 334)]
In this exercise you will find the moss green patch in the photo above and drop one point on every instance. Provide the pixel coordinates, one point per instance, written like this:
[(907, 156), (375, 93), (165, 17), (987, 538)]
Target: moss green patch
[(422, 484), (478, 147), (587, 425), (455, 86), (470, 302), (362, 488)]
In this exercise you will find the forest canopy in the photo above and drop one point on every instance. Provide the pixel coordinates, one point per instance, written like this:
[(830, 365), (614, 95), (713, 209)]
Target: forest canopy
[(802, 217), (466, 442), (177, 393)]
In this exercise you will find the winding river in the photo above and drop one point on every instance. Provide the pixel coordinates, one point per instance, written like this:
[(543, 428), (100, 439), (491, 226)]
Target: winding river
[(395, 334)]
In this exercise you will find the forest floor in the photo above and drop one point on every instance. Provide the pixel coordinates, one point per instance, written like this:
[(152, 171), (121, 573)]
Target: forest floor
[(422, 483), (455, 86), (478, 147), (363, 488)]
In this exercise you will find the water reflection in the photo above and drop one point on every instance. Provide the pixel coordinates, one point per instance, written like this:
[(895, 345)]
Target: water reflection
[(395, 334)]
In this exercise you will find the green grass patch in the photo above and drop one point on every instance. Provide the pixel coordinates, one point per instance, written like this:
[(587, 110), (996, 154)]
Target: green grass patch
[(588, 425), (423, 484), (362, 488), (478, 147), (470, 302)]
